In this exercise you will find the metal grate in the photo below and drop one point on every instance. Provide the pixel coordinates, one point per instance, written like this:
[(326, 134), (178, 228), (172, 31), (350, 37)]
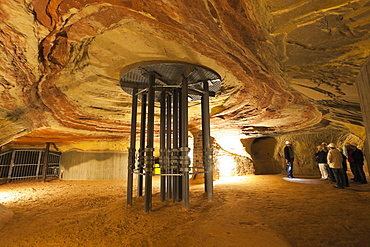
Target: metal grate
[(171, 75), (27, 164)]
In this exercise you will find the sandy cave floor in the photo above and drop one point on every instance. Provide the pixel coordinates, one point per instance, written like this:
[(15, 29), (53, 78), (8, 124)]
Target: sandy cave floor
[(265, 210)]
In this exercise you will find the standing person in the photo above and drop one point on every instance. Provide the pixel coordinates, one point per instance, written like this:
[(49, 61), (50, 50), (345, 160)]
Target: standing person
[(330, 172), (344, 168), (358, 164), (350, 150), (335, 163), (322, 162), (325, 147), (289, 158)]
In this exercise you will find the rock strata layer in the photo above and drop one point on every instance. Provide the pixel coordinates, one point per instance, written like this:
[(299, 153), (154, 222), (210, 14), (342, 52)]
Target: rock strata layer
[(286, 65)]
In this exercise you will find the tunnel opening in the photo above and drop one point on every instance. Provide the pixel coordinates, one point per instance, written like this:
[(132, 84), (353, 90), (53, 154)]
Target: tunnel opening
[(262, 152)]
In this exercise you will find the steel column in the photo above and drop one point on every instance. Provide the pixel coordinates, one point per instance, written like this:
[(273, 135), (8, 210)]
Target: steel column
[(206, 138), (184, 149), (11, 165), (169, 169), (132, 148), (142, 145), (162, 145), (38, 164), (46, 161), (180, 141), (149, 158), (175, 153)]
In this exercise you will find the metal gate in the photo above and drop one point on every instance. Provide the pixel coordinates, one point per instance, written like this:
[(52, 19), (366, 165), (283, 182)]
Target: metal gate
[(27, 165)]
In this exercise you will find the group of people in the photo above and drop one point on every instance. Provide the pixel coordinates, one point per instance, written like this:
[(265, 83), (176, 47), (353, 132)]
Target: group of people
[(332, 163)]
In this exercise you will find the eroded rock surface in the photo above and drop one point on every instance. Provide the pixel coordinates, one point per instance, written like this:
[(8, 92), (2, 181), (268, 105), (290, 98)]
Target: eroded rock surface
[(286, 65), (326, 43)]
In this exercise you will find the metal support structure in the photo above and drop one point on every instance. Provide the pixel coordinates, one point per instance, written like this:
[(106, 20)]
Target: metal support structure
[(27, 164), (184, 145), (46, 161), (173, 85), (206, 134), (149, 150), (38, 165), (169, 169), (174, 157), (142, 145), (132, 150), (11, 166), (162, 133), (180, 141)]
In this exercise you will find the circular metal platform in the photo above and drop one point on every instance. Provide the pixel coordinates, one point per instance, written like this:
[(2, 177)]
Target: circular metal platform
[(170, 75)]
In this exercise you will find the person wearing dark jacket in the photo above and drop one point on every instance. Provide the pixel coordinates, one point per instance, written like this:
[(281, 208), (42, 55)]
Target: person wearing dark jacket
[(289, 158), (350, 150), (344, 168), (322, 162), (358, 163)]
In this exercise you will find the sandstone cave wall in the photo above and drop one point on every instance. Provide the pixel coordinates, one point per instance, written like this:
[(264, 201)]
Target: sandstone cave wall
[(78, 165), (305, 145), (229, 164), (262, 150), (225, 163), (268, 156), (363, 86)]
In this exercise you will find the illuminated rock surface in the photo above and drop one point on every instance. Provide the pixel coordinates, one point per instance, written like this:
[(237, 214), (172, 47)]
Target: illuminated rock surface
[(286, 65), (288, 68)]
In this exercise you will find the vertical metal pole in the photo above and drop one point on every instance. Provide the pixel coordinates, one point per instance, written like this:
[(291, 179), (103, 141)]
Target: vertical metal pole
[(132, 150), (175, 153), (169, 170), (12, 163), (46, 160), (203, 153), (206, 137), (22, 168), (25, 169), (142, 145), (162, 144), (178, 150), (30, 171), (149, 158), (38, 164), (184, 158)]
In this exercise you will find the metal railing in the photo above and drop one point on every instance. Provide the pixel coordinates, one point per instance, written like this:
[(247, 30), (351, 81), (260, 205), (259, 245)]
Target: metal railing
[(27, 165)]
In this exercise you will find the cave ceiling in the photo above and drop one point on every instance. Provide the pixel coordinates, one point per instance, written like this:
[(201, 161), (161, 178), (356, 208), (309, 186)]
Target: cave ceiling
[(285, 65)]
